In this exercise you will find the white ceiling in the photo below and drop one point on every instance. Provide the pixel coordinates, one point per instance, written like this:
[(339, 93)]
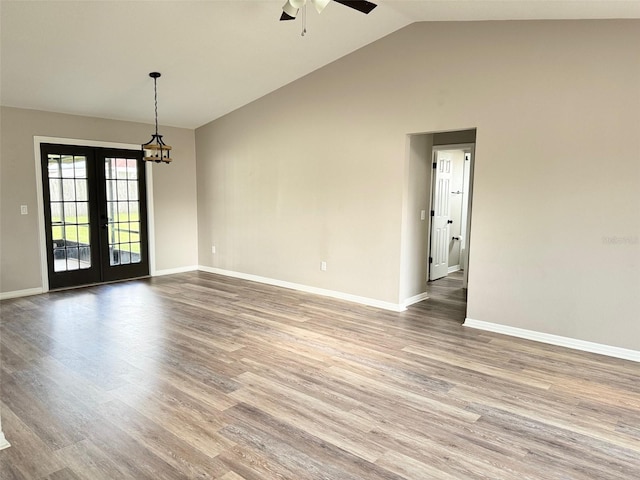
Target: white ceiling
[(93, 57)]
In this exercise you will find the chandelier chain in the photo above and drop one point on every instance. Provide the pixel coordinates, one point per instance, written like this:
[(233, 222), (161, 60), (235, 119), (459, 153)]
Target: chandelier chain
[(155, 99)]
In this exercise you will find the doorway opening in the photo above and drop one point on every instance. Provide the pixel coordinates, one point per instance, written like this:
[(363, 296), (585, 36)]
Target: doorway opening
[(95, 214), (422, 236)]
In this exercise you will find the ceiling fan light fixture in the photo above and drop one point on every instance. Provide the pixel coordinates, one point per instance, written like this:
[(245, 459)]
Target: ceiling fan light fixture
[(290, 9), (288, 12), (320, 4)]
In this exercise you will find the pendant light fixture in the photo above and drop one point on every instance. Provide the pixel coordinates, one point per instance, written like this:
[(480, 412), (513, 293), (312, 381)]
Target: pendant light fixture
[(155, 150)]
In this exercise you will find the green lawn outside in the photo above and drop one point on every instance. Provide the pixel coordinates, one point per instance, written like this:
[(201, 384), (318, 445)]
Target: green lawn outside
[(81, 235)]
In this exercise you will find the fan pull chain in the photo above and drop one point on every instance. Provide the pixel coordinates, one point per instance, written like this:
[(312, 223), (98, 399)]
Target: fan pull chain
[(304, 20)]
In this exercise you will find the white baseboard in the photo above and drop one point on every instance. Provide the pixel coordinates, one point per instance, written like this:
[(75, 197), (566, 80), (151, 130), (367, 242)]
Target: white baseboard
[(573, 343), (415, 299), (371, 302), (37, 291), (21, 293), (455, 268), (172, 271)]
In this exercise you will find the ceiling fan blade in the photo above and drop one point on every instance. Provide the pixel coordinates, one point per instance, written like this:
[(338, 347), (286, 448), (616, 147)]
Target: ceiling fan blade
[(361, 6), (286, 16)]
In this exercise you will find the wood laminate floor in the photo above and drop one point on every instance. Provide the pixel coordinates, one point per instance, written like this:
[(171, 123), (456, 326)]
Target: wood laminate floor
[(201, 376)]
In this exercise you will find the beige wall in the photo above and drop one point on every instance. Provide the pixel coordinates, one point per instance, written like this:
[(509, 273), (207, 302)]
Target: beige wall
[(415, 232), (173, 186), (455, 137), (283, 188), (316, 171)]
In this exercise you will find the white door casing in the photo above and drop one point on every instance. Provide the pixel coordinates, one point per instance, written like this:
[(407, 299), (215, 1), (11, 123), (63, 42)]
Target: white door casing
[(37, 141), (466, 212)]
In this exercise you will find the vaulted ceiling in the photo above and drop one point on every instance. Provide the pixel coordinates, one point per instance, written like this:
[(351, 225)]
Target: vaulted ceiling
[(93, 57)]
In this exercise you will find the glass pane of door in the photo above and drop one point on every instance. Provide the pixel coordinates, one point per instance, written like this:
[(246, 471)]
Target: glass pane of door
[(70, 218), (123, 207)]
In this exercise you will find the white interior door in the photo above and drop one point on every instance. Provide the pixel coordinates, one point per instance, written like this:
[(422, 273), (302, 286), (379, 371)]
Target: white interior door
[(440, 216)]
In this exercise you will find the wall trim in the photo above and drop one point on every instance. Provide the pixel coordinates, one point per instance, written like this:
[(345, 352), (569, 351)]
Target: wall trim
[(415, 299), (455, 268), (21, 293), (39, 290), (567, 342), (151, 219), (173, 271), (371, 302)]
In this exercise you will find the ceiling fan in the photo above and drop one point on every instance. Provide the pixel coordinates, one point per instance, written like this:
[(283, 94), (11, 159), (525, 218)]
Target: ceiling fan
[(290, 9)]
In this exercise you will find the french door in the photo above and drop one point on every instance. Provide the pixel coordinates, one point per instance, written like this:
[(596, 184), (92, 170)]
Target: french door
[(95, 214)]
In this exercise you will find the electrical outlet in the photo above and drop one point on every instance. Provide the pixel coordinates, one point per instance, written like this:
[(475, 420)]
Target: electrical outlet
[(24, 210), (213, 249), (423, 214), (323, 266)]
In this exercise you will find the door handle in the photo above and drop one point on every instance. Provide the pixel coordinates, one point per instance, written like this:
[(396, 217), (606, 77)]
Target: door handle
[(449, 221)]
